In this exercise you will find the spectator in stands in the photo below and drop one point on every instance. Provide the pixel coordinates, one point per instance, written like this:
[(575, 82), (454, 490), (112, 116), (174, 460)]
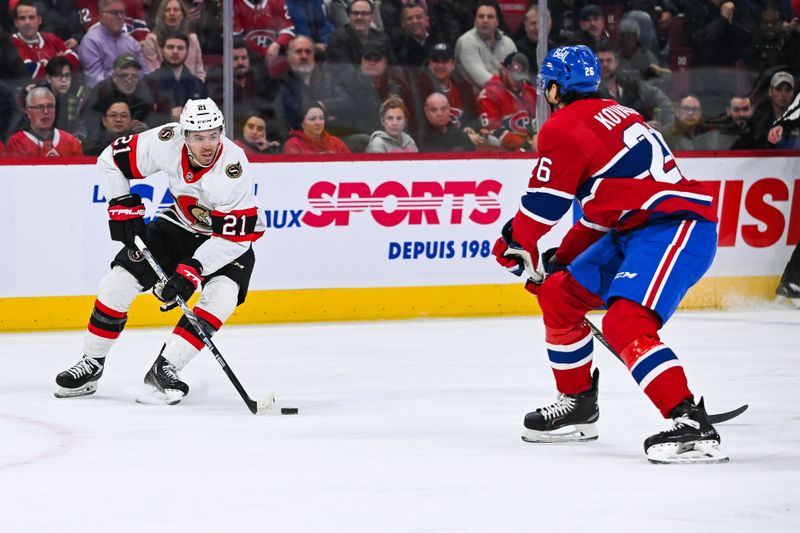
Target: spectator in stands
[(116, 123), (355, 108), (173, 16), (781, 93), (771, 48), (265, 25), (173, 84), (252, 136), (633, 56), (69, 92), (125, 84), (13, 72), (733, 130), (61, 17), (440, 76), (688, 132), (314, 139), (592, 25), (392, 138), (206, 17), (135, 21), (529, 41), (106, 41), (339, 14), (252, 88), (346, 45), (36, 48), (414, 42), (627, 88), (480, 51), (513, 13), (40, 138), (507, 103), (310, 19), (438, 134), (716, 30), (303, 83)]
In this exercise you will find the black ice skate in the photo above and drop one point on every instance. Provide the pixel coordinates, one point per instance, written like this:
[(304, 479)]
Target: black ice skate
[(788, 292), (80, 379), (570, 419), (164, 383), (692, 439)]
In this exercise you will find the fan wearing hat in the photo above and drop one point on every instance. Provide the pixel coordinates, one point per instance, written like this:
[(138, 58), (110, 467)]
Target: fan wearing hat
[(346, 45), (593, 26), (440, 75), (770, 111), (125, 84), (507, 104)]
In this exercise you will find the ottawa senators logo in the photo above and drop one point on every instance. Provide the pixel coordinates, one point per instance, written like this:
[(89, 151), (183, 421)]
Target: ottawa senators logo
[(166, 133), (234, 170), (197, 214)]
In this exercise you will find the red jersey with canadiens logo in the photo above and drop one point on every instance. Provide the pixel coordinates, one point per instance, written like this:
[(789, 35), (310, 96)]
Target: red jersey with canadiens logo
[(218, 200), (506, 115), (618, 168), (35, 54), (262, 22)]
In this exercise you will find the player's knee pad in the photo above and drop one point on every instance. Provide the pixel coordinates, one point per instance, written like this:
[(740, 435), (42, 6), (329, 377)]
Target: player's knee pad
[(626, 321), (118, 289), (217, 301), (564, 301)]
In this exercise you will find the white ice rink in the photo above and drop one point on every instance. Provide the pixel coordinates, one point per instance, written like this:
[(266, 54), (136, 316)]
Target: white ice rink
[(406, 426)]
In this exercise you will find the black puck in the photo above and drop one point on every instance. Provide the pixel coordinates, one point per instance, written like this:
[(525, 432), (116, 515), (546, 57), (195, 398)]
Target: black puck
[(289, 410)]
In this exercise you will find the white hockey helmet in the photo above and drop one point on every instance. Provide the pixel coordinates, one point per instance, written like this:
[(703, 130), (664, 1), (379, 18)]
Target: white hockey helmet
[(200, 115)]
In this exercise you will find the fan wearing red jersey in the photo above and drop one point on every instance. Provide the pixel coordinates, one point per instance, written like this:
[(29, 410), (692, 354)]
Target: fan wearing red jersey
[(647, 234), (204, 239), (40, 138)]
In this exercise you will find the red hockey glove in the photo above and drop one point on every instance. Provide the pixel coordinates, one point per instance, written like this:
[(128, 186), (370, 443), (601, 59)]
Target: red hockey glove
[(183, 283), (126, 219)]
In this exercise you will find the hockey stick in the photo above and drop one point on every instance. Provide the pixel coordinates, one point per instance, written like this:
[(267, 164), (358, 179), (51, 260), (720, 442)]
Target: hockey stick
[(255, 407), (714, 419)]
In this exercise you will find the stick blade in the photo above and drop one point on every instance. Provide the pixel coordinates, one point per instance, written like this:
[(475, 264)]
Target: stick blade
[(265, 406)]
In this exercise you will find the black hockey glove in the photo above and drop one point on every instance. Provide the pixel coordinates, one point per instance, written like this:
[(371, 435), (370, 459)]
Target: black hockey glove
[(183, 283), (549, 262), (126, 219)]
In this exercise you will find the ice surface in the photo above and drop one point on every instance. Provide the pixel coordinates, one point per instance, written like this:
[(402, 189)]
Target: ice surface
[(406, 426)]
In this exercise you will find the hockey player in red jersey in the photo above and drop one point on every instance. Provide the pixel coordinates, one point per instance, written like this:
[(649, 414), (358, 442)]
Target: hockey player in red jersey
[(647, 235), (204, 239)]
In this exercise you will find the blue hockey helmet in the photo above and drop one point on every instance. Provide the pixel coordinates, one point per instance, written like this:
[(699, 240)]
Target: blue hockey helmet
[(574, 68)]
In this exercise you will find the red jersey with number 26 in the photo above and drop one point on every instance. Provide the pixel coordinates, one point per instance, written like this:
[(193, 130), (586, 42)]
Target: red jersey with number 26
[(619, 169)]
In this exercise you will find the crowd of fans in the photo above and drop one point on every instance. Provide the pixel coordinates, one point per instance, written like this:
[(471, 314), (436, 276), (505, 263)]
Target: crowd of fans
[(340, 76)]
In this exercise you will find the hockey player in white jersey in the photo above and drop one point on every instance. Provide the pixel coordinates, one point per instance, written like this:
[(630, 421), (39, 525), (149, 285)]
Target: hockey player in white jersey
[(204, 239)]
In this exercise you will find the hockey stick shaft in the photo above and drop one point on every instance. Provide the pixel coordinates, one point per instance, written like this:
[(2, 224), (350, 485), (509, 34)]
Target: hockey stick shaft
[(255, 407), (714, 419)]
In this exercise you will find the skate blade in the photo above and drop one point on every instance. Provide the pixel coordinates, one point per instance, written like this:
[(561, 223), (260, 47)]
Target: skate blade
[(150, 395), (795, 302), (703, 452), (573, 433), (86, 390)]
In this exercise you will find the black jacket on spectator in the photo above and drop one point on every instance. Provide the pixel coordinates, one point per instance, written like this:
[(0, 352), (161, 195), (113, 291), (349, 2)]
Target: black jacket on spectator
[(293, 95), (104, 93), (451, 18), (412, 53), (431, 139), (258, 92), (345, 48), (713, 40), (427, 84), (763, 118), (358, 100), (169, 92)]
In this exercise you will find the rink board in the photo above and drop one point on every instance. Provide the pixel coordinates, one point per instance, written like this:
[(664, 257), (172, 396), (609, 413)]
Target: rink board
[(366, 239)]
